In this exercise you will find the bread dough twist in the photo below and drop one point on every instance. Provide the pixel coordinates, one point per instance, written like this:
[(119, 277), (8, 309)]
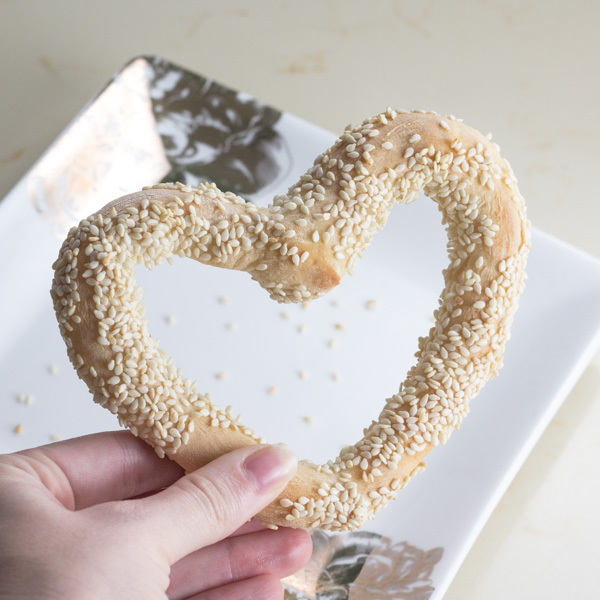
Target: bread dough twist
[(297, 249)]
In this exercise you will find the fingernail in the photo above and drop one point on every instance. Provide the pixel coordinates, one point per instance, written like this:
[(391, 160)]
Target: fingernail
[(271, 466)]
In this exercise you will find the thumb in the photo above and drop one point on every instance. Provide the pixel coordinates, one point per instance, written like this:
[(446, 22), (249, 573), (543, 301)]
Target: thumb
[(209, 504)]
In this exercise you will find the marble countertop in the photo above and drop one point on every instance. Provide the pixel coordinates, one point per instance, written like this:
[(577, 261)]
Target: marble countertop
[(525, 70)]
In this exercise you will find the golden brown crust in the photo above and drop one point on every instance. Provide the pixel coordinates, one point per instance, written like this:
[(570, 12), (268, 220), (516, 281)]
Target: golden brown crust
[(298, 249)]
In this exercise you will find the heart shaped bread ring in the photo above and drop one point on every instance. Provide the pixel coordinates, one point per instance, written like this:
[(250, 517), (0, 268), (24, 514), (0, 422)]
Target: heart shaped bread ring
[(298, 248)]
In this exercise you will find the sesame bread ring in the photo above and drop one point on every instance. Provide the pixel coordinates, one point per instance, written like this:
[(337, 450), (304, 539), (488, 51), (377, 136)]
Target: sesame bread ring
[(297, 249)]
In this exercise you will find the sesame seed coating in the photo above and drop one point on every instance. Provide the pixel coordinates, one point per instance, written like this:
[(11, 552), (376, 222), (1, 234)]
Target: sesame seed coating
[(297, 249)]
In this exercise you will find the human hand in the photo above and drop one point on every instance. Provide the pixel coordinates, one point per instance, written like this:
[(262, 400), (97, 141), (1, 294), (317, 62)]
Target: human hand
[(79, 520)]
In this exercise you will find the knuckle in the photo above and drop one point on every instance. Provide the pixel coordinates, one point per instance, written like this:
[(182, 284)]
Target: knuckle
[(216, 500), (228, 566)]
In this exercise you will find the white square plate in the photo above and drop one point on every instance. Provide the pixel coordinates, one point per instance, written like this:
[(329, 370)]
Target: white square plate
[(292, 371)]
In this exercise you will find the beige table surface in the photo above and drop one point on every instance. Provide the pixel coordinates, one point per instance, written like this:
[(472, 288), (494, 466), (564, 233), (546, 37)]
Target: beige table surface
[(527, 70)]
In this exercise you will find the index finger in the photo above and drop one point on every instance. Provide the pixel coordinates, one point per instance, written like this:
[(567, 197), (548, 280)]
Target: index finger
[(99, 468)]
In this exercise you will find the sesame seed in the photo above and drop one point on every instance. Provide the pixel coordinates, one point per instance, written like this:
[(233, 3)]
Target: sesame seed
[(272, 390), (371, 304), (25, 398), (53, 369), (221, 376), (308, 420), (223, 300), (18, 429), (170, 319)]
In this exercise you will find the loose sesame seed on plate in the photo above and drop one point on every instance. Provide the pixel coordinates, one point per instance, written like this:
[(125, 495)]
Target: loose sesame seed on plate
[(371, 304), (25, 398)]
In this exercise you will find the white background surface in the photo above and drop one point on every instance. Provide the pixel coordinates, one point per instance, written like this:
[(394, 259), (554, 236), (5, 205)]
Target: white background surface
[(527, 71)]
